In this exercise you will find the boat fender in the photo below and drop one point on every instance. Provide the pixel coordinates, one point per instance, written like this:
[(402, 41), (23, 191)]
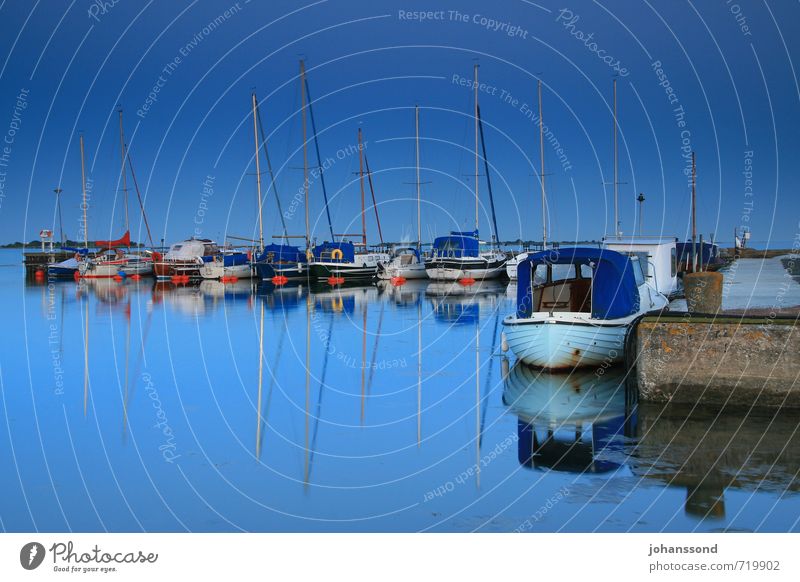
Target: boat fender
[(503, 342)]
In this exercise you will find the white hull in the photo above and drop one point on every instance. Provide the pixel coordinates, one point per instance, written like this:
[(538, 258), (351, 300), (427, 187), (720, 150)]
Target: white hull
[(104, 270), (138, 266), (563, 341), (413, 271), (214, 270)]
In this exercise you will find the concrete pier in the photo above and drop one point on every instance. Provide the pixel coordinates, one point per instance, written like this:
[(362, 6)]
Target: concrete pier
[(742, 361)]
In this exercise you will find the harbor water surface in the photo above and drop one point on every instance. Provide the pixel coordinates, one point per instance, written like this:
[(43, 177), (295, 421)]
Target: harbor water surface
[(135, 406)]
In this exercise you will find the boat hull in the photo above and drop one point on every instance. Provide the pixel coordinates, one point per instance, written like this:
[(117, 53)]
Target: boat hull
[(457, 269), (103, 270), (139, 266), (414, 271), (214, 270), (166, 269), (350, 272), (555, 344), (296, 272)]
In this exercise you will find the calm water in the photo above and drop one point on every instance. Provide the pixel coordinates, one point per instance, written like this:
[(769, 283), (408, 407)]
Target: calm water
[(170, 430)]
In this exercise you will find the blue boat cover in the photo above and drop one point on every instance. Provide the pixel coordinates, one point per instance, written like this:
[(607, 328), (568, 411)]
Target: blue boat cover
[(709, 251), (76, 250), (457, 245), (282, 254), (233, 259), (614, 292), (323, 252)]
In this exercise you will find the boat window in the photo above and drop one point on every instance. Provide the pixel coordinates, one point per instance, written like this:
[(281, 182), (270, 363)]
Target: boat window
[(586, 271), (177, 247), (637, 271), (540, 275), (563, 272)]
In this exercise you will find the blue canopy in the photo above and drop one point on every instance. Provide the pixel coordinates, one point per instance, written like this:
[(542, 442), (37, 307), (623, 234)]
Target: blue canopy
[(82, 251), (282, 254), (233, 259), (614, 292), (457, 245), (325, 251)]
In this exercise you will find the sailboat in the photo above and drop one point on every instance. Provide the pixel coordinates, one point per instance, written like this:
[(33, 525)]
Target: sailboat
[(284, 263), (112, 261), (462, 256), (338, 261), (513, 263), (408, 262)]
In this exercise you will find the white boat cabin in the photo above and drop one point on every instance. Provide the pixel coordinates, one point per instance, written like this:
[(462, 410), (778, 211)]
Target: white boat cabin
[(658, 254)]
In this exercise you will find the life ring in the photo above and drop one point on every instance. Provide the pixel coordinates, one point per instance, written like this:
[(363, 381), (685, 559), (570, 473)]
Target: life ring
[(77, 256), (337, 254)]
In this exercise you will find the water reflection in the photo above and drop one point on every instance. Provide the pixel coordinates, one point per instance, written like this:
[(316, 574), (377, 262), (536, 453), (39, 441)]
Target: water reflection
[(589, 422), (711, 453), (345, 408), (570, 422)]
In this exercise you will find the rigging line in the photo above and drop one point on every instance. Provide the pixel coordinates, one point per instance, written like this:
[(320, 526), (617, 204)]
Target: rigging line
[(372, 191), (139, 197), (269, 168), (488, 178), (319, 160)]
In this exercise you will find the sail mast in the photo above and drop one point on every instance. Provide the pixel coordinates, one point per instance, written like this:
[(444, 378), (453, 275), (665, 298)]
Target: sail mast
[(475, 82), (694, 216), (124, 173), (419, 208), (361, 179), (305, 147), (616, 167), (258, 175), (541, 171), (83, 189)]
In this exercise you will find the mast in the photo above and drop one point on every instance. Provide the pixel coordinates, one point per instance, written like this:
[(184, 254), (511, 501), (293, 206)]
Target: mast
[(419, 197), (541, 170), (83, 188), (258, 175), (316, 147), (475, 82), (124, 173), (305, 149), (361, 179), (271, 173), (58, 192), (694, 215), (616, 170)]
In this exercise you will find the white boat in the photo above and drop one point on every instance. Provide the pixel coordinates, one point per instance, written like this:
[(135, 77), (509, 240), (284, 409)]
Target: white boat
[(462, 255), (407, 263), (513, 263), (228, 265), (575, 307), (657, 255)]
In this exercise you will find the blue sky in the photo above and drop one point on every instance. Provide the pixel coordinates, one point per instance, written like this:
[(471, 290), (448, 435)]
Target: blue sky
[(67, 66)]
